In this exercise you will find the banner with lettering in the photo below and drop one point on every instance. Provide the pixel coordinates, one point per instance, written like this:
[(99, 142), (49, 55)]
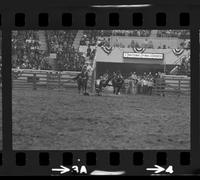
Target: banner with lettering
[(158, 56)]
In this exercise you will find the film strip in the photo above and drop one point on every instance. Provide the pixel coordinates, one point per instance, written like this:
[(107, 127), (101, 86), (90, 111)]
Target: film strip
[(80, 141)]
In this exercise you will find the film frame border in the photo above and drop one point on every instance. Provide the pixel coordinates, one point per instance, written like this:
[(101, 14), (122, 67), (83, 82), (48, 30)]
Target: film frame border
[(56, 157)]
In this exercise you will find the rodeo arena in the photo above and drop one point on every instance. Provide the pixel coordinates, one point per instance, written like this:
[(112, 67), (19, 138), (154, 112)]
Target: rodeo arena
[(101, 89)]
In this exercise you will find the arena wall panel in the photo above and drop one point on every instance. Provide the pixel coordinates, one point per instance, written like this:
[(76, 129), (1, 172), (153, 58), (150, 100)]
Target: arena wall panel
[(116, 56)]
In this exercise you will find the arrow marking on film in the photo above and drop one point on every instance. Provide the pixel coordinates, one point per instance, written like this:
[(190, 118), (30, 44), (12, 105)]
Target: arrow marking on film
[(62, 170), (157, 169)]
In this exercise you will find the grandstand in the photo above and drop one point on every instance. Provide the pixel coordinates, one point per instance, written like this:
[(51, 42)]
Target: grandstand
[(155, 39), (150, 42), (68, 50), (32, 50)]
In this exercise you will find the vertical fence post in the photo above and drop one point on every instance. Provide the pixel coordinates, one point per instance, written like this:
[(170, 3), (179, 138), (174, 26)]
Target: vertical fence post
[(91, 83), (179, 87), (189, 87), (156, 86), (93, 80), (59, 77), (34, 81), (47, 80)]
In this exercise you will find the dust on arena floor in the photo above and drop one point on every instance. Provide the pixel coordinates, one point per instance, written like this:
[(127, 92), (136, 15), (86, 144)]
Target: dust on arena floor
[(65, 120)]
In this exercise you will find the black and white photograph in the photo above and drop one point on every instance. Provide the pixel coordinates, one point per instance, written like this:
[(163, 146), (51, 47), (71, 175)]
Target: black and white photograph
[(101, 89)]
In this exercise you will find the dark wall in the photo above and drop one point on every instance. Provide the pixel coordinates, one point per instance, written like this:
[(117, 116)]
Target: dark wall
[(126, 68)]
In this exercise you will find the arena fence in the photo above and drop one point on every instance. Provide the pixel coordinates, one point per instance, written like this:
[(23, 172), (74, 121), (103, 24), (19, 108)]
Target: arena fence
[(35, 79), (178, 86), (171, 84), (175, 83)]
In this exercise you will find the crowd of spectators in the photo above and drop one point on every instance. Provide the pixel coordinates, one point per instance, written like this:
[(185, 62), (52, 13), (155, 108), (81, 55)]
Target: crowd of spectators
[(181, 34), (95, 38), (137, 33), (184, 44), (142, 83), (99, 37), (67, 57), (59, 41), (26, 53), (146, 44), (92, 37), (89, 37)]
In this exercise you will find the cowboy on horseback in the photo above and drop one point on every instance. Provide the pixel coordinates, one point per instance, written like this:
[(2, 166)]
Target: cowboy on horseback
[(117, 82), (82, 79)]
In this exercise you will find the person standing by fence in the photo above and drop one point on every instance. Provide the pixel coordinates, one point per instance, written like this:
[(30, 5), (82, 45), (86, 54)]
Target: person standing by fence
[(145, 85), (129, 84), (135, 86), (160, 85), (150, 86), (139, 84)]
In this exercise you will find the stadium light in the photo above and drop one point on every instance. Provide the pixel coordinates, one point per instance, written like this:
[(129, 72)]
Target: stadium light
[(122, 6)]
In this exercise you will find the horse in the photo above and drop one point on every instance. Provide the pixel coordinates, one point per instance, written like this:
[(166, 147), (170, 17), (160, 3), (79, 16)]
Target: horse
[(160, 85), (82, 81), (102, 83), (117, 83), (130, 86)]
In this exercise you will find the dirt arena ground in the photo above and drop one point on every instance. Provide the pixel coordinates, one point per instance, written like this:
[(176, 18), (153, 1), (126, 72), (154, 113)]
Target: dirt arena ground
[(53, 120)]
